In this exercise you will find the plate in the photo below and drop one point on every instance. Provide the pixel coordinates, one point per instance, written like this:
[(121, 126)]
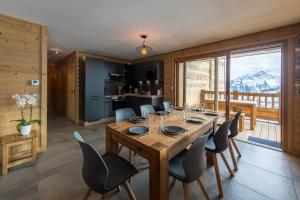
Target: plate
[(174, 130), (211, 113), (137, 130), (137, 119), (195, 119), (162, 112), (179, 108)]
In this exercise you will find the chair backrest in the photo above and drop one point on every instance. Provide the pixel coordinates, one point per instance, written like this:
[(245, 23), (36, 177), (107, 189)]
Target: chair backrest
[(194, 163), (124, 114), (221, 136), (147, 109), (94, 170), (167, 105), (234, 131)]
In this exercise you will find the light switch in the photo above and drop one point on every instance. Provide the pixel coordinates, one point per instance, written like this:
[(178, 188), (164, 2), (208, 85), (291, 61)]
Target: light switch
[(35, 82)]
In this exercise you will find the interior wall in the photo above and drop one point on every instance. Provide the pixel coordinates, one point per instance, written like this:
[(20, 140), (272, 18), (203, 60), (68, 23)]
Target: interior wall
[(23, 57), (65, 87), (51, 84), (287, 34)]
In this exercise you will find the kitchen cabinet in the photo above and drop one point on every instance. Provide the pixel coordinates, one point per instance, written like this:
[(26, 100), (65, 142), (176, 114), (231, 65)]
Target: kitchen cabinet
[(94, 72)]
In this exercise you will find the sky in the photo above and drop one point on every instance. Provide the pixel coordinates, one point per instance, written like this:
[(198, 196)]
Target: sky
[(270, 63)]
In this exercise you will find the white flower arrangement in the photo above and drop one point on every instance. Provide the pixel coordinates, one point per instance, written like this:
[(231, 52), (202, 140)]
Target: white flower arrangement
[(21, 101)]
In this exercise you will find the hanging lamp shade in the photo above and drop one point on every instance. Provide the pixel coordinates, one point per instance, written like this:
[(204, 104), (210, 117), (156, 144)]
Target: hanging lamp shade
[(144, 49)]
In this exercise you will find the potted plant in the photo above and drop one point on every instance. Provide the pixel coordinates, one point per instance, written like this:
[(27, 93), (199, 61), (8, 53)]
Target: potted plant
[(24, 126)]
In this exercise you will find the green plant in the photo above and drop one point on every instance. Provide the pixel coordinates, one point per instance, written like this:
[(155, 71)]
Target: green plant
[(22, 101)]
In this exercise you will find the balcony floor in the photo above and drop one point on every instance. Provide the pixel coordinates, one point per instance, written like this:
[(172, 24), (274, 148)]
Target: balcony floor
[(264, 130)]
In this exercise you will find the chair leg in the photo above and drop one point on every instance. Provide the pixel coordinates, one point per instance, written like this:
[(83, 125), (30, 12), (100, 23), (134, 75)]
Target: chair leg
[(186, 191), (129, 191), (119, 189), (130, 156), (219, 183), (87, 194), (203, 189), (172, 183), (120, 148), (227, 165), (232, 156), (236, 147)]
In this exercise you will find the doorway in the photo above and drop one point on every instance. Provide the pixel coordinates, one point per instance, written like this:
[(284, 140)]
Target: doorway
[(202, 82), (246, 79), (256, 77)]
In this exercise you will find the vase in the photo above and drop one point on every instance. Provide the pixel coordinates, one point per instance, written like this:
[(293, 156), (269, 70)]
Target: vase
[(25, 130)]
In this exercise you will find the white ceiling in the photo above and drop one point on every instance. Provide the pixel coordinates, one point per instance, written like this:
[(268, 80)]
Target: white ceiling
[(112, 27)]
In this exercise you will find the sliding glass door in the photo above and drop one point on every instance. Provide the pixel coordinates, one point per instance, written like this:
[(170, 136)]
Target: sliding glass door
[(202, 82)]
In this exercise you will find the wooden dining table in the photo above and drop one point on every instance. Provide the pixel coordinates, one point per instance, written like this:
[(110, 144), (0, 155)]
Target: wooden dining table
[(237, 105), (157, 147)]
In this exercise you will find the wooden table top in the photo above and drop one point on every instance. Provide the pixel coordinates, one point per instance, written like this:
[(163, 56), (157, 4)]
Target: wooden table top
[(7, 139), (157, 140)]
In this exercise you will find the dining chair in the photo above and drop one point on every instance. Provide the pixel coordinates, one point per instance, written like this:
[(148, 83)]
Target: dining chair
[(189, 165), (218, 143), (147, 109), (123, 114), (233, 132), (104, 173), (167, 105)]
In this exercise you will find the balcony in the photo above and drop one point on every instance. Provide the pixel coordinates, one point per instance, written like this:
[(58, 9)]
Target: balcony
[(261, 110)]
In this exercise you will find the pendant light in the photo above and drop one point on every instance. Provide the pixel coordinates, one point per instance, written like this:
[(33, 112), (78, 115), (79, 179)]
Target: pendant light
[(144, 49)]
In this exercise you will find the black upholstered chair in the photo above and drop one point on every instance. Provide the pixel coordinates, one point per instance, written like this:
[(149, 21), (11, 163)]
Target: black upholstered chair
[(233, 132), (147, 109), (218, 143), (167, 105), (189, 165), (104, 173), (121, 115)]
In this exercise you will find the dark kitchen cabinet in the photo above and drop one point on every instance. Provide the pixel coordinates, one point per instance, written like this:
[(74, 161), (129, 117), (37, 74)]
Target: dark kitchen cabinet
[(146, 71), (108, 108), (93, 73)]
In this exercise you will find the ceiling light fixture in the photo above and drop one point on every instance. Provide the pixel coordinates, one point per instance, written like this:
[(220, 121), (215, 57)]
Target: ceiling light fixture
[(55, 50), (144, 49)]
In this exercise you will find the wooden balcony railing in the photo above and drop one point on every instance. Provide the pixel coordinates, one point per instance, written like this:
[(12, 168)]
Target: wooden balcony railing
[(267, 104)]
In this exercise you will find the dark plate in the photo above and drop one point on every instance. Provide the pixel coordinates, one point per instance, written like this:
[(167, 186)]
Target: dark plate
[(137, 119), (211, 114), (195, 119), (179, 108), (174, 130), (137, 130), (162, 112)]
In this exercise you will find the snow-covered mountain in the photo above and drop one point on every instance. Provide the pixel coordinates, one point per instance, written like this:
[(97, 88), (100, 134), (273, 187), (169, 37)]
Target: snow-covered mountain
[(257, 82)]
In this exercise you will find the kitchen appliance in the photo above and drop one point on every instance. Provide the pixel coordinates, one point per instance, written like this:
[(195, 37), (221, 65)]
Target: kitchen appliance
[(114, 102)]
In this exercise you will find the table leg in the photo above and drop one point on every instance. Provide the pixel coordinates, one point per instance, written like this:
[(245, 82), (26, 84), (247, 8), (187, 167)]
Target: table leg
[(254, 114), (4, 159), (33, 150), (252, 117), (111, 145), (159, 175)]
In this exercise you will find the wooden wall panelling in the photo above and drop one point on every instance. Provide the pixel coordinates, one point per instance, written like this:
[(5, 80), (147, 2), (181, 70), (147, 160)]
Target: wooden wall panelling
[(68, 80), (100, 57), (23, 57), (67, 84), (291, 126)]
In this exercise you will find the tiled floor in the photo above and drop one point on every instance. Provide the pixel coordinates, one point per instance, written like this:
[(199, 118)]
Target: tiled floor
[(263, 173)]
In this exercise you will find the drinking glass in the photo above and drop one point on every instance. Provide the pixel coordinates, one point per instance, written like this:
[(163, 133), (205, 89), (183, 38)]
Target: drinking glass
[(148, 120)]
